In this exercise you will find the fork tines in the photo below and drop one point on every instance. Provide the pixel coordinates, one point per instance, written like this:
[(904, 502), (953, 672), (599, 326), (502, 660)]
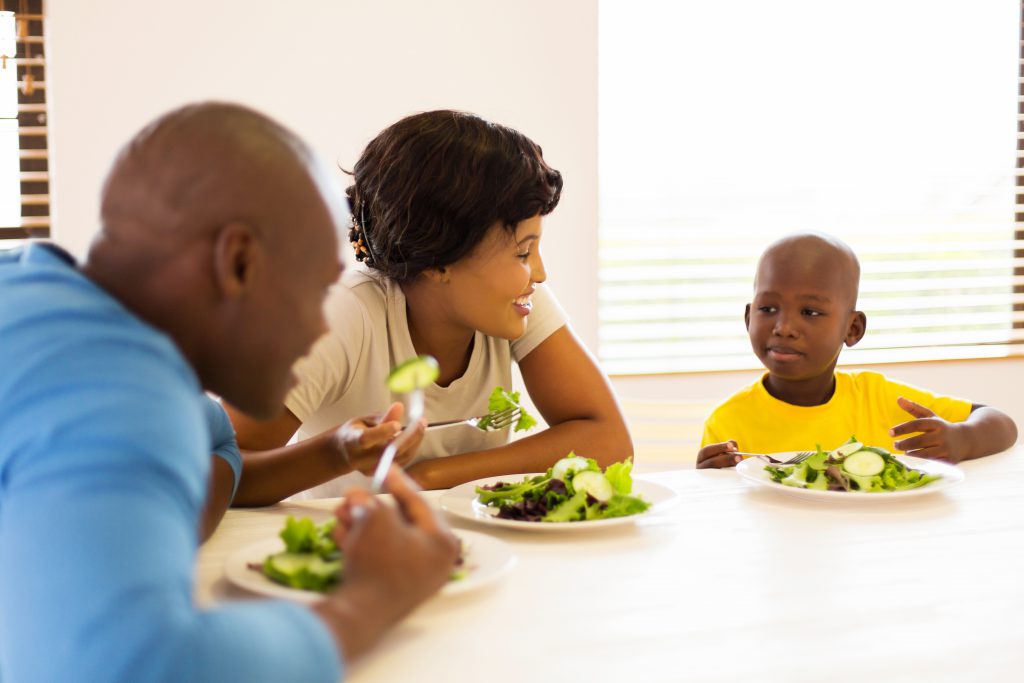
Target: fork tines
[(499, 419)]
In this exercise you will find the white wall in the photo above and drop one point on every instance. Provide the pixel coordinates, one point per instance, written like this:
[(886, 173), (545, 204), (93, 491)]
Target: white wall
[(337, 71)]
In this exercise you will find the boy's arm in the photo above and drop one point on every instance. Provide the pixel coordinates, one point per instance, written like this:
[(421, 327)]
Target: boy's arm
[(716, 449), (985, 431)]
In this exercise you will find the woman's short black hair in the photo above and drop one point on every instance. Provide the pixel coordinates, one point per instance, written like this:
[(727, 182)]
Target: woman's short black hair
[(428, 188)]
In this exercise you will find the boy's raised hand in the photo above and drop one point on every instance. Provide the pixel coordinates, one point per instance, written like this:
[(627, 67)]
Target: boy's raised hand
[(362, 440), (718, 455), (939, 439)]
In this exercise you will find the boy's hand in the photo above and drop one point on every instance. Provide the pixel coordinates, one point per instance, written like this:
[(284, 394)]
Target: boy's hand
[(939, 439), (718, 455), (361, 441)]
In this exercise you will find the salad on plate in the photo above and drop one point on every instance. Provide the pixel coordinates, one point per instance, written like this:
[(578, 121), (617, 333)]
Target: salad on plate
[(851, 467), (311, 559), (573, 489)]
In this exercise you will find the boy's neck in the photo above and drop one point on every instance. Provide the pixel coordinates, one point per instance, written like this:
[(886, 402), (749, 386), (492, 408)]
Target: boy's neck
[(803, 392)]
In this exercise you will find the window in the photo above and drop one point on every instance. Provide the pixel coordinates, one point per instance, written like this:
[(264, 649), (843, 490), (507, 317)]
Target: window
[(888, 123), (24, 167)]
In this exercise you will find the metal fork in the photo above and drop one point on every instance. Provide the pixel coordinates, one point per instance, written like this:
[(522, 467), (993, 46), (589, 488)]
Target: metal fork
[(492, 422), (795, 459), (388, 456)]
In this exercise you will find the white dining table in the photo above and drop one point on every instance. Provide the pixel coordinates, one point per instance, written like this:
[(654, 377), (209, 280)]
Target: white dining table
[(732, 582)]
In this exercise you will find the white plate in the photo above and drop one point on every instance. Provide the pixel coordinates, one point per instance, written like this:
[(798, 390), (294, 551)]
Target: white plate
[(461, 501), (752, 469), (485, 559)]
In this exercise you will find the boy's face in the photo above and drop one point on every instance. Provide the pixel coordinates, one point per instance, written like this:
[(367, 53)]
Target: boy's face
[(802, 311)]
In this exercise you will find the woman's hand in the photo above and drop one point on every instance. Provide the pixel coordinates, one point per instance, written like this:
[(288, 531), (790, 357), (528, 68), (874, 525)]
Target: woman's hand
[(718, 455), (361, 441)]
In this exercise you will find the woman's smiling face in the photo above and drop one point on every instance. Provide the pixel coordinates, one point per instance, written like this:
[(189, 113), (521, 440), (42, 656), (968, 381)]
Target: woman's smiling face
[(490, 289)]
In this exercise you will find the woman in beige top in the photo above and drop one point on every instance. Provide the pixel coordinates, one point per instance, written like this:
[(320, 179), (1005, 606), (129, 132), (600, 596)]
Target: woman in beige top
[(447, 223)]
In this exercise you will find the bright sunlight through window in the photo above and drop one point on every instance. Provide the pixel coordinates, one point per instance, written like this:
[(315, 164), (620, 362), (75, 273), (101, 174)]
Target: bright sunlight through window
[(725, 125)]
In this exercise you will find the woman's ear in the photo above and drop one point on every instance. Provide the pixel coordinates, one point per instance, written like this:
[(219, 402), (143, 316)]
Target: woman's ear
[(858, 326), (237, 257), (440, 275)]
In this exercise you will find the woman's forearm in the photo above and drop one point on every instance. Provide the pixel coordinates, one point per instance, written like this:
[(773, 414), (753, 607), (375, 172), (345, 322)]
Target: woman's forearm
[(272, 475), (604, 441)]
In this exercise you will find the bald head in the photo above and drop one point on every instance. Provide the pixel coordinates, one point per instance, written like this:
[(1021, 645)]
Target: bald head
[(817, 260), (197, 168), (219, 227)]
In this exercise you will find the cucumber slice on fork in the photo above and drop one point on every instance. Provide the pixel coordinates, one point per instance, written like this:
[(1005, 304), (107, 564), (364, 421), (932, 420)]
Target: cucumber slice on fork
[(416, 373)]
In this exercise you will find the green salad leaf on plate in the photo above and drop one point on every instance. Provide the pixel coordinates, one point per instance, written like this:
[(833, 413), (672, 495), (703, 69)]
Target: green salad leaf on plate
[(851, 467), (574, 489), (311, 559)]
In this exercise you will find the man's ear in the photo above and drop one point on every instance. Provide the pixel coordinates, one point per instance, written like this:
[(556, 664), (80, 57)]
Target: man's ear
[(237, 257), (746, 317), (858, 326)]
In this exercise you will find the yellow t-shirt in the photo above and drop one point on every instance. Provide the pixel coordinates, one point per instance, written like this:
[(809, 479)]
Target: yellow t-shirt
[(863, 405)]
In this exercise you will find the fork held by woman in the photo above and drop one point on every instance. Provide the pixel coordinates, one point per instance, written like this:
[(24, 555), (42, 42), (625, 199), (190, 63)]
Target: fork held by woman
[(493, 421)]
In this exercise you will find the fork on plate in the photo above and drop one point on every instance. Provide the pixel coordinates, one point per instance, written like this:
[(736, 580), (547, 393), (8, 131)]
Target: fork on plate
[(490, 422), (795, 459)]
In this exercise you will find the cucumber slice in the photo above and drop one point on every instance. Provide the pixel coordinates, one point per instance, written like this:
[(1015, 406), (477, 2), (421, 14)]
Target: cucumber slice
[(415, 373), (847, 449), (570, 464), (818, 461), (864, 464), (595, 484), (302, 570)]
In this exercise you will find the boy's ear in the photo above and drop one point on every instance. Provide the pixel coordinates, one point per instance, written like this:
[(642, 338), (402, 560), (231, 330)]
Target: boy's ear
[(858, 326), (746, 317), (237, 256)]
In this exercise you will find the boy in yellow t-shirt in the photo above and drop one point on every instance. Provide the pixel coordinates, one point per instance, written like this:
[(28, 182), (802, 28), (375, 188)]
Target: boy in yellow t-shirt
[(803, 312)]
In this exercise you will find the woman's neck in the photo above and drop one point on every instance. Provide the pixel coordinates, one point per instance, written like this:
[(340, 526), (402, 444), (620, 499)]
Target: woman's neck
[(433, 333)]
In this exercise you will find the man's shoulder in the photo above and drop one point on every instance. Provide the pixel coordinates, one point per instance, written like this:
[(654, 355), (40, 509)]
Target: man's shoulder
[(55, 319)]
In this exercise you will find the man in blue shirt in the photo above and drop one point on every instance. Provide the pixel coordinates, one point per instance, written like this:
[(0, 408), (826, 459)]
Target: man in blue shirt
[(216, 249)]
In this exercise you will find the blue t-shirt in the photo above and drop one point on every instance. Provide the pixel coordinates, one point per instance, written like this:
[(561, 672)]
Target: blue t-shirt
[(105, 439)]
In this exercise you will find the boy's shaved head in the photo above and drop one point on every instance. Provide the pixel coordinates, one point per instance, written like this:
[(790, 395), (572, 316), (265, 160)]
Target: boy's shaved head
[(813, 257)]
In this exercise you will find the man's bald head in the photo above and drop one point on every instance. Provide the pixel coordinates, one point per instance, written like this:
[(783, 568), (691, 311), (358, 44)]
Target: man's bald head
[(219, 227), (816, 258), (197, 168)]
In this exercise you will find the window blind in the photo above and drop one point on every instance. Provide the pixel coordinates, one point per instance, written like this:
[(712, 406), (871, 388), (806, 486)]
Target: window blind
[(724, 126), (23, 128)]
